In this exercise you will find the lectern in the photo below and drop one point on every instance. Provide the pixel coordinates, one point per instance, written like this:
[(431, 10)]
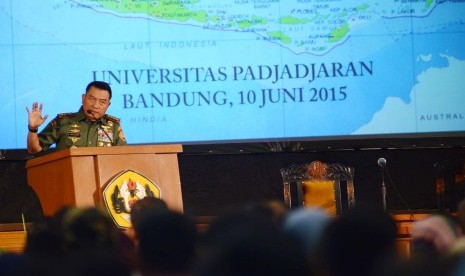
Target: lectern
[(77, 176)]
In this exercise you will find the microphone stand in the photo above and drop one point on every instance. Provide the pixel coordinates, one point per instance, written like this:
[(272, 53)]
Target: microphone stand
[(383, 189), (382, 163)]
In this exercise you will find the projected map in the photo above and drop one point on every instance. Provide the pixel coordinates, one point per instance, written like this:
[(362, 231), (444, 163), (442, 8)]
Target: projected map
[(209, 71)]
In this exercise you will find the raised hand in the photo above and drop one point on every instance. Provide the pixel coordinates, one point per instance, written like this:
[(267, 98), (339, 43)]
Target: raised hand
[(35, 118)]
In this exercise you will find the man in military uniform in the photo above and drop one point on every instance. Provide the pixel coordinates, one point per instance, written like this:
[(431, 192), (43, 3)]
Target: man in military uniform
[(89, 127)]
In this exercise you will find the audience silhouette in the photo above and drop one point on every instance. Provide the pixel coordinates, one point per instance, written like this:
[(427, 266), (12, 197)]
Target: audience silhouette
[(259, 238)]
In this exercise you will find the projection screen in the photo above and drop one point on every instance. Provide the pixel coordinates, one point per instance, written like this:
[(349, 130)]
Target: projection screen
[(208, 71)]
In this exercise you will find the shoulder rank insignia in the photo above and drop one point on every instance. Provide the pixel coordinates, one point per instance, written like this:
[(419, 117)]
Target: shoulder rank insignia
[(61, 116), (111, 118), (66, 115)]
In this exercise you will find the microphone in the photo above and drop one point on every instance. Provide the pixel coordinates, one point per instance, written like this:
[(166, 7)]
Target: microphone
[(100, 126), (382, 162)]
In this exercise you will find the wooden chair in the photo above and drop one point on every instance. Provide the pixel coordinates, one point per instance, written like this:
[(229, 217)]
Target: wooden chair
[(328, 186)]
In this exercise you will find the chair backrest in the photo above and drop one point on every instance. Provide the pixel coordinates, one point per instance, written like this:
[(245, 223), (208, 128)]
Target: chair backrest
[(325, 185), (450, 183)]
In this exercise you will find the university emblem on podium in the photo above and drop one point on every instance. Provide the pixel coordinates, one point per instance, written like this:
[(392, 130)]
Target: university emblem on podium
[(123, 191)]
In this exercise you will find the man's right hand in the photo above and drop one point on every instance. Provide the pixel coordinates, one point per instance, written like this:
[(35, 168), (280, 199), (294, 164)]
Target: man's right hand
[(35, 118)]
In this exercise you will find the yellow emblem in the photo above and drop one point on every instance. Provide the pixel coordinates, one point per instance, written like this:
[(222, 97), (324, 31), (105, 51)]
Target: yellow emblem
[(123, 191)]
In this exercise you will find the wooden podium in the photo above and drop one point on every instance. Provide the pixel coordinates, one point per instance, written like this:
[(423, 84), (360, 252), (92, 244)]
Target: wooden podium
[(77, 176)]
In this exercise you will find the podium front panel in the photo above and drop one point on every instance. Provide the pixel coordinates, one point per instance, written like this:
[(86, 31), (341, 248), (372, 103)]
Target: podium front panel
[(161, 168), (77, 176), (64, 182)]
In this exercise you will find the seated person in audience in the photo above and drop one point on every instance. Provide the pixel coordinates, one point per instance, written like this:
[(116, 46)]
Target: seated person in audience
[(142, 206), (166, 242), (357, 242)]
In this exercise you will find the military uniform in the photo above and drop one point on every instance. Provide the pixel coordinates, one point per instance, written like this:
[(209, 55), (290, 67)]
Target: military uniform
[(69, 130)]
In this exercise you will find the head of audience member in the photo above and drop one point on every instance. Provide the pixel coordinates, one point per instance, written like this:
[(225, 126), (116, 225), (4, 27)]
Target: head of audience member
[(307, 225), (44, 248), (87, 228), (166, 242), (44, 239), (145, 205), (148, 203), (249, 241), (75, 241), (242, 218), (358, 241)]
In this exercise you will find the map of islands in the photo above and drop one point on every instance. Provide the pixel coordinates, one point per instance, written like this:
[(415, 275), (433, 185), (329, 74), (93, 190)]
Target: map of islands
[(302, 26)]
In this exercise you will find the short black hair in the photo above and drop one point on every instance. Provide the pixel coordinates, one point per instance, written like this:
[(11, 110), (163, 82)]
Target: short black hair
[(100, 85)]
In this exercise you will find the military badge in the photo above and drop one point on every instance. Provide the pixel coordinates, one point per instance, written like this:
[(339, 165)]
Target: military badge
[(105, 136), (74, 133), (123, 191)]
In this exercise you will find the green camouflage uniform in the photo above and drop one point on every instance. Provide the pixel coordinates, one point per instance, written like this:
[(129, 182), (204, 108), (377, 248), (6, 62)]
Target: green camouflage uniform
[(69, 130)]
